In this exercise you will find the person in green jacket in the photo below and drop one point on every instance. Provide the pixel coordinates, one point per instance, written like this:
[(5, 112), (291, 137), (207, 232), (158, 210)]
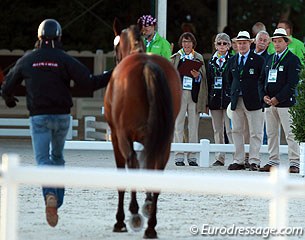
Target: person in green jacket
[(153, 41), (296, 46)]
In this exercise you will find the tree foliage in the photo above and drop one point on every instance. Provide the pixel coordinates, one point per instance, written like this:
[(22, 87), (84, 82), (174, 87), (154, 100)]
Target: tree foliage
[(298, 110)]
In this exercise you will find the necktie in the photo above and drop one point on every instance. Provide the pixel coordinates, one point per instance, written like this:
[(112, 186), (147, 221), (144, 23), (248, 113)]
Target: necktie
[(276, 58), (241, 64)]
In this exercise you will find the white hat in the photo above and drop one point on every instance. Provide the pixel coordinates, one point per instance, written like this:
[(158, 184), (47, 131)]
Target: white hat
[(281, 33), (229, 111), (243, 36)]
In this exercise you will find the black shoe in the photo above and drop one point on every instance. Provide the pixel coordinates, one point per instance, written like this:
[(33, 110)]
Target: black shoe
[(193, 163), (180, 163), (293, 169), (254, 167), (236, 166), (266, 168), (218, 163)]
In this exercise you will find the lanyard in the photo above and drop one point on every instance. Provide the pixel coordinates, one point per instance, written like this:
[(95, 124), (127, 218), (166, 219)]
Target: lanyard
[(281, 58), (220, 69)]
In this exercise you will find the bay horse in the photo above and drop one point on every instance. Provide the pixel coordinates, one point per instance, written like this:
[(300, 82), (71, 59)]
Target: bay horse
[(142, 101)]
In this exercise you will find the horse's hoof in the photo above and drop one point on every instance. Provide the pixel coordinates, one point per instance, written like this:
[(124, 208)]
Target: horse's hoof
[(147, 208), (119, 227), (150, 234), (136, 222)]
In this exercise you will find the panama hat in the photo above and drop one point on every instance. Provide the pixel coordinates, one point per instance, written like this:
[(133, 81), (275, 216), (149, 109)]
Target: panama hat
[(281, 33), (243, 36), (229, 111)]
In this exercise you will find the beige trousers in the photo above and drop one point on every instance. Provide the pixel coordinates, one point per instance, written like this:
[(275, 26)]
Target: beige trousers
[(256, 123), (275, 117), (219, 120), (187, 107)]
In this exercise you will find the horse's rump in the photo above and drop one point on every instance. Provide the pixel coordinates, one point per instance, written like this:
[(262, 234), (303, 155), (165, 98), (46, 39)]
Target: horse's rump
[(143, 102)]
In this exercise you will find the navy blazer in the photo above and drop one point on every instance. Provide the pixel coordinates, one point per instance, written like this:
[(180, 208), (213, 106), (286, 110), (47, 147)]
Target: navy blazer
[(287, 78), (246, 81), (218, 98)]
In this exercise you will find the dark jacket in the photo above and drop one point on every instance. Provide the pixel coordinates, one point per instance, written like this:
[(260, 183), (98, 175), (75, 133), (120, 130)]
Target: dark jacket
[(245, 81), (218, 98), (265, 54), (283, 89), (47, 73)]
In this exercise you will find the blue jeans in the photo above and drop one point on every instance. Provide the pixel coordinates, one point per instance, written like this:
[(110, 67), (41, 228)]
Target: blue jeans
[(48, 134)]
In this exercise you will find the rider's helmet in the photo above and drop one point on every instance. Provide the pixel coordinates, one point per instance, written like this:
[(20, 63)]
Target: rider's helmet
[(146, 20), (49, 29)]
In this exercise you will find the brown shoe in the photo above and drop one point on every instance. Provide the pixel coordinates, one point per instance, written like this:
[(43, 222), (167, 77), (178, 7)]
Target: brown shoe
[(51, 210), (293, 169), (266, 168), (236, 166)]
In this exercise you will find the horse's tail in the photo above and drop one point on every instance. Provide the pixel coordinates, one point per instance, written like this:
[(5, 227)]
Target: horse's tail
[(160, 124)]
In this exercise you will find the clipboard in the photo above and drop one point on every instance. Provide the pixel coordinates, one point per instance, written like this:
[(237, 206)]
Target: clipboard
[(187, 65)]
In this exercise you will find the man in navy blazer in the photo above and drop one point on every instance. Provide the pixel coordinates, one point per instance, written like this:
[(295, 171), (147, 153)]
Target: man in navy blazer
[(281, 75), (242, 75)]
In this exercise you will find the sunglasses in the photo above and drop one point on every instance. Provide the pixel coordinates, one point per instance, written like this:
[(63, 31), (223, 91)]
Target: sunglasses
[(222, 43)]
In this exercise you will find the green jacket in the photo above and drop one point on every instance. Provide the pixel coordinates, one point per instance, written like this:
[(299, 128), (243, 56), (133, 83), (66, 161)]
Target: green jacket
[(159, 45), (296, 47)]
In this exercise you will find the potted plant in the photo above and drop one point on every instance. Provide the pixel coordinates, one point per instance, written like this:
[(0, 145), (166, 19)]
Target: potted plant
[(298, 118)]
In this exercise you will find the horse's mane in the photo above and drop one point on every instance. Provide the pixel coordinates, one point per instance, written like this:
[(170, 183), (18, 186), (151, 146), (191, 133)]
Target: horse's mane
[(135, 39)]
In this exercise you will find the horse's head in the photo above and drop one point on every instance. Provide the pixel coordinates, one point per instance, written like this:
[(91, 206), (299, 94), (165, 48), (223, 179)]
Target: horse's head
[(127, 41)]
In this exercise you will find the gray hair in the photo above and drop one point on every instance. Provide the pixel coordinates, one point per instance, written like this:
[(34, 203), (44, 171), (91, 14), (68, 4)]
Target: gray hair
[(261, 32), (259, 26), (223, 37)]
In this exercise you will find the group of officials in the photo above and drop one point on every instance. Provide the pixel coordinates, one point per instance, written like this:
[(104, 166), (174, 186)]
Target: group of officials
[(256, 83)]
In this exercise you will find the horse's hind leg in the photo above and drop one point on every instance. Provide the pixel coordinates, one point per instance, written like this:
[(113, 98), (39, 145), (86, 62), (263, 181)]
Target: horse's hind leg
[(136, 220), (147, 206), (119, 226), (150, 232)]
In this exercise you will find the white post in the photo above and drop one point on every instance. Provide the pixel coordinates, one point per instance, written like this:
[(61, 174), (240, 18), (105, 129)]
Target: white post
[(70, 131), (9, 198), (222, 14), (204, 154), (278, 204), (161, 17), (87, 128)]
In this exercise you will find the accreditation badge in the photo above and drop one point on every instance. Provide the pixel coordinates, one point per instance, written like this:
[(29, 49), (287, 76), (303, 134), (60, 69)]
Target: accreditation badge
[(281, 68), (187, 83), (217, 82), (251, 71), (272, 75)]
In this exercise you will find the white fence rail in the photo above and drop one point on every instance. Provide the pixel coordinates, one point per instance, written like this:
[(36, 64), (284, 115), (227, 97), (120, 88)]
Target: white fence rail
[(203, 148), (20, 127), (278, 187)]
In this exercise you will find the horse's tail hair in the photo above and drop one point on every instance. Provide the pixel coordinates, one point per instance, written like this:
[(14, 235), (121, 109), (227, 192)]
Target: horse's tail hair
[(160, 117)]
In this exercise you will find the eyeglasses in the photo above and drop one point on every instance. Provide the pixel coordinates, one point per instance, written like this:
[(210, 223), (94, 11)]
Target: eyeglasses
[(222, 43)]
